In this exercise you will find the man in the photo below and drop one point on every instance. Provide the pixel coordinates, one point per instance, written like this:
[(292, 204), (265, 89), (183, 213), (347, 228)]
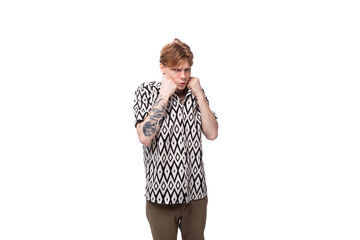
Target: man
[(170, 117)]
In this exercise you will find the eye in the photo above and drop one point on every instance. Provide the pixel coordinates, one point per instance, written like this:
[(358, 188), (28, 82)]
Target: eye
[(187, 69)]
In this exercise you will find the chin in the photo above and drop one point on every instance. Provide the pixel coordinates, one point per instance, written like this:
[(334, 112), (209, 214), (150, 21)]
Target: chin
[(181, 88)]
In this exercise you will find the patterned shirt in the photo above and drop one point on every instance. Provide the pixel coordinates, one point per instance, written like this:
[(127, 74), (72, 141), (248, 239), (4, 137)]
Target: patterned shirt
[(174, 168)]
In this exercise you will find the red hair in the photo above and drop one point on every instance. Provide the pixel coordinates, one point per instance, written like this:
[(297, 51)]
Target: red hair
[(172, 53)]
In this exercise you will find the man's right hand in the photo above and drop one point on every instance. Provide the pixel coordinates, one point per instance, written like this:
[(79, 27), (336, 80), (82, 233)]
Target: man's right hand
[(168, 87)]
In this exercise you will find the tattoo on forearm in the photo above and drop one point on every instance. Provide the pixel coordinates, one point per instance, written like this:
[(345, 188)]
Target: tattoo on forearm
[(155, 117)]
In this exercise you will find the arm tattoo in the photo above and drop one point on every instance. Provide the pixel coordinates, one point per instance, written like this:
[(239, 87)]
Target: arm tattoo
[(155, 117)]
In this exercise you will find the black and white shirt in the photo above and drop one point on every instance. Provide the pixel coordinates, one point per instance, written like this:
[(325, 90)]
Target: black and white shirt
[(173, 162)]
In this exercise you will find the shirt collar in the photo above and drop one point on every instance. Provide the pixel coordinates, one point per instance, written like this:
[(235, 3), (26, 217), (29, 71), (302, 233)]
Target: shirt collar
[(187, 94)]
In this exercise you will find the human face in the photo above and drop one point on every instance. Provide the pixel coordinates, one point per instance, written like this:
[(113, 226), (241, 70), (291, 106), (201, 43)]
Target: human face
[(179, 74)]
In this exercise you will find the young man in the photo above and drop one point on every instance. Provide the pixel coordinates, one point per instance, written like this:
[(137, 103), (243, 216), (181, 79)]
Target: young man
[(170, 117)]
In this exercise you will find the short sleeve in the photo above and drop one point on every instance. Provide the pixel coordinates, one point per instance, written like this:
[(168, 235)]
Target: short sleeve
[(215, 115), (142, 104)]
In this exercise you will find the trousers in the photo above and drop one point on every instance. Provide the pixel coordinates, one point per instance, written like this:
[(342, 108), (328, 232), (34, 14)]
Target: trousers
[(166, 219)]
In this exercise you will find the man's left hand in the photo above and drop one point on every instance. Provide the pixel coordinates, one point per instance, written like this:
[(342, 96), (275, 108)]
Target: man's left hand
[(194, 85)]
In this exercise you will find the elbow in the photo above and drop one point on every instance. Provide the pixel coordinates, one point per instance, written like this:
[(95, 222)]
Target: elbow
[(213, 136), (145, 141), (142, 138)]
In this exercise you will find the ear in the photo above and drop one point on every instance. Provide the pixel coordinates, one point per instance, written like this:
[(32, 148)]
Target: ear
[(162, 68)]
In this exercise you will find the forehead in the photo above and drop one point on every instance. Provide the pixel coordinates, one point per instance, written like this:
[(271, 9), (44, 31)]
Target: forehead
[(184, 63)]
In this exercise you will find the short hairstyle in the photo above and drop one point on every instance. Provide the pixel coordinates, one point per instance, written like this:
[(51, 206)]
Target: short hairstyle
[(172, 53)]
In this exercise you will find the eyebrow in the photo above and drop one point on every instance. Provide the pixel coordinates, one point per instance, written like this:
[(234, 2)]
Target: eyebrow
[(180, 68)]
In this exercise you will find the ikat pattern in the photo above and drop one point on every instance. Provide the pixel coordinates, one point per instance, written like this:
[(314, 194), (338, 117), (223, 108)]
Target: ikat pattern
[(173, 163)]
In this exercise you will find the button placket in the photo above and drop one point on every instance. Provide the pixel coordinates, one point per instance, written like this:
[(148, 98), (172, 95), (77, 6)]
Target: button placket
[(183, 146)]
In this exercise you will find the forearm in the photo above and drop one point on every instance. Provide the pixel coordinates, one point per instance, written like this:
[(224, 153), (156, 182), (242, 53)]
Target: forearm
[(209, 123), (150, 126)]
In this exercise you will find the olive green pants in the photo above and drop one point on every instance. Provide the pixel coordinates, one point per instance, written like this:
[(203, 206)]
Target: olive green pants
[(165, 220)]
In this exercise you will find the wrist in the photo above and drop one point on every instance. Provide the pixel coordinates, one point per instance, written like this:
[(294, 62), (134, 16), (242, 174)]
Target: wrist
[(200, 97), (163, 97), (163, 93)]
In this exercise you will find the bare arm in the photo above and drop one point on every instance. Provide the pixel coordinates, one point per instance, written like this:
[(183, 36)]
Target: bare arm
[(209, 124), (147, 129)]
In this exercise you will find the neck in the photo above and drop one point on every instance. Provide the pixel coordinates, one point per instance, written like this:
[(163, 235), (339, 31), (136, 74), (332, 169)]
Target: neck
[(182, 93)]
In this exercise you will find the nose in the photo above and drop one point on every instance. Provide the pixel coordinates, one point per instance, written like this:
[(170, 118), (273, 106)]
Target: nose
[(182, 74)]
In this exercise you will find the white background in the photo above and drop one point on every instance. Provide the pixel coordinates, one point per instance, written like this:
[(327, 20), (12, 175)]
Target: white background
[(283, 77)]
